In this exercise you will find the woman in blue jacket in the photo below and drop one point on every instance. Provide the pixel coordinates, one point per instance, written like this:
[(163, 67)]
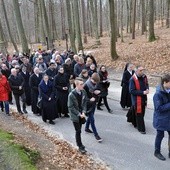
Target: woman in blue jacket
[(161, 119)]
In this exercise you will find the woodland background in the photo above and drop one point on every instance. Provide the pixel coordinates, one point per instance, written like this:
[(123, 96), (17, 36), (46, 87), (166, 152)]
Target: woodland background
[(116, 31)]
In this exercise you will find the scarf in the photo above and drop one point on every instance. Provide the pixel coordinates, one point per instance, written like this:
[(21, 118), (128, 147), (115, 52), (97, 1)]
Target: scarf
[(139, 98)]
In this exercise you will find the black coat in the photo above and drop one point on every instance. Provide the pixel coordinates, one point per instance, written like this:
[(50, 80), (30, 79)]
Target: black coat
[(60, 81), (125, 95), (68, 70), (49, 109), (27, 90), (15, 82), (34, 81), (51, 73)]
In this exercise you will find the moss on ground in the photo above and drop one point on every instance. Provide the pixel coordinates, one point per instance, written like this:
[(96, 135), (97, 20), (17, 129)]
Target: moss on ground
[(14, 156)]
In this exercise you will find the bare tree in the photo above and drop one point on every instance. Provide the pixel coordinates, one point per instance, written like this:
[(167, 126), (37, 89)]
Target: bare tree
[(101, 19), (2, 41), (134, 19), (151, 21), (84, 21), (22, 35), (143, 17), (113, 30), (8, 26), (70, 24), (167, 13)]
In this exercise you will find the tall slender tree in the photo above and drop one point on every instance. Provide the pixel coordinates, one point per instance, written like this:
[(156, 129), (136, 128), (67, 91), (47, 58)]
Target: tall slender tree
[(22, 35), (77, 26), (93, 6), (151, 21), (167, 12), (113, 30), (143, 16), (133, 19), (84, 21), (7, 24), (70, 24), (101, 19), (2, 41)]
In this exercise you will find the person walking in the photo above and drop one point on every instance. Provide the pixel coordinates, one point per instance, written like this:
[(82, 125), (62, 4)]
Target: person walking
[(161, 118), (139, 88), (4, 91), (103, 85), (16, 82), (34, 81), (92, 96), (48, 109), (77, 107), (125, 100)]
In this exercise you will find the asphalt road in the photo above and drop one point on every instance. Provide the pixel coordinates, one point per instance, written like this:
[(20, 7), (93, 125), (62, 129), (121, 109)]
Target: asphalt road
[(123, 147)]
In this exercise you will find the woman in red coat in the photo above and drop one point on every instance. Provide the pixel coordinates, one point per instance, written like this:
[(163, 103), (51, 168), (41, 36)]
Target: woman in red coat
[(4, 90)]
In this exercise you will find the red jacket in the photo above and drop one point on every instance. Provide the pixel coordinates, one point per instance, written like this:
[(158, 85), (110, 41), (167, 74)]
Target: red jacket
[(4, 88)]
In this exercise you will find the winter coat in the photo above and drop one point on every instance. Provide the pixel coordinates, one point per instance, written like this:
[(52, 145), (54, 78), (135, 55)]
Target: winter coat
[(78, 68), (73, 105), (4, 88), (161, 117), (15, 82), (134, 92)]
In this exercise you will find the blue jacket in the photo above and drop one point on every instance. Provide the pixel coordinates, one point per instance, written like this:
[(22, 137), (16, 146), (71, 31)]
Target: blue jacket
[(161, 117)]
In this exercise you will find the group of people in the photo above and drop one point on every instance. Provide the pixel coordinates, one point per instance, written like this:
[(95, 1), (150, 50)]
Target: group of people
[(135, 89), (44, 81), (72, 85)]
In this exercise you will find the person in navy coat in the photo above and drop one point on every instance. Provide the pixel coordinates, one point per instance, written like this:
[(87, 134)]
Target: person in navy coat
[(161, 118)]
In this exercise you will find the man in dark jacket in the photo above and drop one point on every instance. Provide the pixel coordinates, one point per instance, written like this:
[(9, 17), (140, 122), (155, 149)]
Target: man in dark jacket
[(161, 119), (77, 109), (92, 95), (17, 85), (34, 81), (139, 88)]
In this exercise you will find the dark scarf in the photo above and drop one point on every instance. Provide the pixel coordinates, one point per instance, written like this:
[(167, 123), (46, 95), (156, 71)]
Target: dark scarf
[(45, 87)]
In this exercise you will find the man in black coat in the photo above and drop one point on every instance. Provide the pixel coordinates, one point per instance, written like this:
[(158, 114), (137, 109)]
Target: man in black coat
[(34, 81), (16, 82), (51, 71)]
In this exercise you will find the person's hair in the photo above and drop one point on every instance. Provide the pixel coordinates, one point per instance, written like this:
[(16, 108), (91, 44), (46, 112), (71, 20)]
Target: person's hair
[(84, 71), (77, 80), (95, 77), (165, 78), (102, 66)]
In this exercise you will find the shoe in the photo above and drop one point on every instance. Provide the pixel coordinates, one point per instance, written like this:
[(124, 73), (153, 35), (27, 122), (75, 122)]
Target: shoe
[(51, 122), (82, 150), (44, 120), (98, 138), (8, 114), (11, 103), (25, 111), (142, 132), (110, 111), (2, 109), (99, 108), (159, 156), (66, 115), (88, 131), (21, 113)]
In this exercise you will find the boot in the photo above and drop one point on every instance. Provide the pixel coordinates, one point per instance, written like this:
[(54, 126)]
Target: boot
[(159, 155)]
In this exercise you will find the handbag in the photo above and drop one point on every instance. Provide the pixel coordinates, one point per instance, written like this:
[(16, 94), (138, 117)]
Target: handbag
[(39, 103), (83, 120)]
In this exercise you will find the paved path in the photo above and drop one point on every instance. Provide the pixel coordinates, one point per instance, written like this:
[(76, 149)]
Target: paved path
[(123, 147)]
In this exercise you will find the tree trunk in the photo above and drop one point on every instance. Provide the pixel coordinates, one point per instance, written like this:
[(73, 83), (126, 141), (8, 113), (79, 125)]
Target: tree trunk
[(46, 25), (8, 27), (134, 19), (167, 13), (113, 30), (37, 22), (127, 16), (3, 49), (84, 21), (101, 19), (143, 17), (77, 26), (22, 35), (41, 24), (93, 6), (63, 27), (70, 24), (121, 21), (151, 21)]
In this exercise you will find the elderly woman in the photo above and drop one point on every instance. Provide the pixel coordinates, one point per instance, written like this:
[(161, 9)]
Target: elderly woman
[(48, 101), (4, 91)]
